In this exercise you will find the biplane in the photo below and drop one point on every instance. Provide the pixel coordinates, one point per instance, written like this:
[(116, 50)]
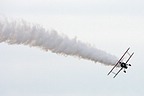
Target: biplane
[(122, 64)]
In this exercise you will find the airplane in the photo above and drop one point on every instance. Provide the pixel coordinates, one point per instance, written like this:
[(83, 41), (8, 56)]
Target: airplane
[(122, 64)]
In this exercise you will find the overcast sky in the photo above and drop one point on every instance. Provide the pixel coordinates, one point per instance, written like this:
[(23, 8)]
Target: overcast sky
[(110, 25)]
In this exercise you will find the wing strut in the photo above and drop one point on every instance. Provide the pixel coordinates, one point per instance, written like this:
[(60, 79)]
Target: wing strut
[(129, 57), (117, 73)]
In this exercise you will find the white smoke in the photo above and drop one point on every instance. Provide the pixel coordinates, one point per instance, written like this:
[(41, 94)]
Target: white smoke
[(21, 32)]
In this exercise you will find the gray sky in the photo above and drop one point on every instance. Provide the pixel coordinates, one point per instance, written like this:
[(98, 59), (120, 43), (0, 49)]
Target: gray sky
[(112, 26)]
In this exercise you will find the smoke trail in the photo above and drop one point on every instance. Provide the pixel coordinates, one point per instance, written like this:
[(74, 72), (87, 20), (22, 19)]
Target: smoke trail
[(21, 32)]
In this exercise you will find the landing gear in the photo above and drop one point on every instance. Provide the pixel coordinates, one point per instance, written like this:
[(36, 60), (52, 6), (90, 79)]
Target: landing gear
[(124, 71)]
